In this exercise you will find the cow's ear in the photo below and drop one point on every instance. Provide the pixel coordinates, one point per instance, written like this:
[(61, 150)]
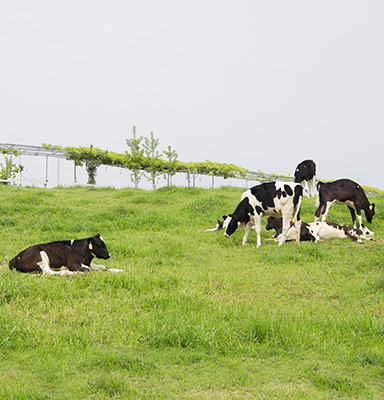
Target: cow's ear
[(225, 217), (90, 246)]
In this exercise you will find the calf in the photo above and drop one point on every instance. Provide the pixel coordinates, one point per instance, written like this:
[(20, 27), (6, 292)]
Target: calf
[(277, 224), (75, 255), (331, 230), (306, 173), (344, 191), (281, 199)]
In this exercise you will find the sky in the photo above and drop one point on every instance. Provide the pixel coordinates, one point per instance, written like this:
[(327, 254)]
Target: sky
[(259, 84)]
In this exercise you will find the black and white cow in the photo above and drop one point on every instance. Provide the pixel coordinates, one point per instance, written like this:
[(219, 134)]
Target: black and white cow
[(331, 230), (305, 173), (280, 199), (75, 255), (344, 192), (276, 223)]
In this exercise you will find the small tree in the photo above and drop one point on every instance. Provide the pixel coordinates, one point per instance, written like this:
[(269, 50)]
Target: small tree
[(91, 166), (9, 169), (136, 157), (154, 169), (171, 166)]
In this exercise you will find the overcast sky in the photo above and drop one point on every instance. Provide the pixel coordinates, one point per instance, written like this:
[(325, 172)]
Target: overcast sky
[(260, 84)]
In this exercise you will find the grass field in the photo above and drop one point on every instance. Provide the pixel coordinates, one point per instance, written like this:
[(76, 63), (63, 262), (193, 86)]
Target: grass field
[(194, 315)]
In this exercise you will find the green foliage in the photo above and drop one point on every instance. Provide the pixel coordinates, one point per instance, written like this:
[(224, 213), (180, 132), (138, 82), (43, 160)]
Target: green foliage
[(148, 159), (154, 164), (8, 170), (194, 315), (136, 157), (171, 165)]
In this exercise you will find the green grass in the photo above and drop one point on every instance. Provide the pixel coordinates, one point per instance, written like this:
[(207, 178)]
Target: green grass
[(194, 315)]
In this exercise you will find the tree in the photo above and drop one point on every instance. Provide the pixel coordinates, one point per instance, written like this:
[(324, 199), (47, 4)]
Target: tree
[(91, 166), (171, 165), (154, 167), (136, 157), (9, 169)]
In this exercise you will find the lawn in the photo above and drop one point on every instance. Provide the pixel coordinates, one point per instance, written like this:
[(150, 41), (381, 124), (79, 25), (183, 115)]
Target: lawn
[(194, 315)]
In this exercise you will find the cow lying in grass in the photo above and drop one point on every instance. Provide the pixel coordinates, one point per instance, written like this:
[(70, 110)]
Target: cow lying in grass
[(317, 231), (331, 230), (276, 223), (74, 255)]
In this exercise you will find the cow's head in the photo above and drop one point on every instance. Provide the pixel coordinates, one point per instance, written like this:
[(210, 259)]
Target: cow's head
[(274, 223), (231, 223), (98, 247), (370, 212)]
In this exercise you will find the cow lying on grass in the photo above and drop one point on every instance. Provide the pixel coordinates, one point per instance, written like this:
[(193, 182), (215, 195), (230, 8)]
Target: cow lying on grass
[(75, 255), (317, 231), (331, 230), (276, 223)]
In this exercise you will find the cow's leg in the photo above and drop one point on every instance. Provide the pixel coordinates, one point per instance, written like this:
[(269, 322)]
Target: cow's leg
[(44, 265), (353, 215), (248, 228), (318, 212), (77, 266), (298, 228), (312, 187), (98, 267), (325, 211), (258, 232), (286, 226), (307, 188)]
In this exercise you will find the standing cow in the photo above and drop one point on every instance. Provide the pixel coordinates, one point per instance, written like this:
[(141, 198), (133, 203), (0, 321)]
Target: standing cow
[(344, 192), (280, 199), (306, 173)]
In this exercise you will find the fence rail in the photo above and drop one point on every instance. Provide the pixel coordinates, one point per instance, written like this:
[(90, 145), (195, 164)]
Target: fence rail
[(41, 151)]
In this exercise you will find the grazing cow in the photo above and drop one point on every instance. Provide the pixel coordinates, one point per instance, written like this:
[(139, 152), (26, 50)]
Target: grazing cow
[(344, 191), (281, 199), (75, 255), (276, 223), (306, 173), (331, 230)]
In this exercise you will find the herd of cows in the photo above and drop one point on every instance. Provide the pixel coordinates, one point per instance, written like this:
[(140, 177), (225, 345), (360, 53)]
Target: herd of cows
[(278, 200), (282, 200)]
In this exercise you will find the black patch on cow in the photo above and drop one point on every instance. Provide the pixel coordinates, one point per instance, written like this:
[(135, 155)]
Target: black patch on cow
[(288, 189), (259, 210), (241, 215), (305, 171), (265, 193)]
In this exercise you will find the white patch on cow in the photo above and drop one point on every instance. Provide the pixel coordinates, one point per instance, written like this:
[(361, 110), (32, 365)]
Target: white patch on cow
[(44, 265), (348, 203), (86, 267), (366, 231), (100, 267), (72, 241)]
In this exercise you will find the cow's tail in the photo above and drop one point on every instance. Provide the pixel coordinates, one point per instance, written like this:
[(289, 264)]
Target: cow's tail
[(298, 197), (318, 187)]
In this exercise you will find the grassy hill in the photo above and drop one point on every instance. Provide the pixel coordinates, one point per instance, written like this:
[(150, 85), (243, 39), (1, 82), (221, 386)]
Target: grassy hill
[(194, 315)]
